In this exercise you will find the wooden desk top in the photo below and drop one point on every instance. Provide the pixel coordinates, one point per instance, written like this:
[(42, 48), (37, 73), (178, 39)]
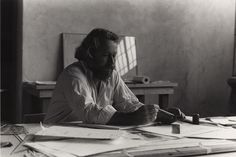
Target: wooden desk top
[(157, 87), (156, 84)]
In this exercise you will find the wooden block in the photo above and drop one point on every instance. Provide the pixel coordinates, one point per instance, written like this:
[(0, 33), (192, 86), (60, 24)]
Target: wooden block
[(175, 128)]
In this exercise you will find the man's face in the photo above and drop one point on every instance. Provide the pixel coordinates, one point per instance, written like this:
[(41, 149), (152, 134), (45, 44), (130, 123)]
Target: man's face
[(104, 60)]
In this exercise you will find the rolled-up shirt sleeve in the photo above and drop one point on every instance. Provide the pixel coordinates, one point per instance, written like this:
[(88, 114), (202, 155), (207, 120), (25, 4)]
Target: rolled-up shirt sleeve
[(98, 115), (80, 99), (124, 99)]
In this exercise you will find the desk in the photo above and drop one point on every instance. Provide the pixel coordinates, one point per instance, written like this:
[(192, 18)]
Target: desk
[(161, 88), (43, 92), (227, 151)]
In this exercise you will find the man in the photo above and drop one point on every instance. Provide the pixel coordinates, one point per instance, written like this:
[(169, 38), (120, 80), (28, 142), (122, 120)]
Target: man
[(92, 91)]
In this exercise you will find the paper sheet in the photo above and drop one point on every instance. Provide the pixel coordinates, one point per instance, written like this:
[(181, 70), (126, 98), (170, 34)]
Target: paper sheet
[(196, 131), (81, 147), (220, 133), (183, 143), (48, 151), (101, 126), (223, 120), (232, 118), (79, 132), (185, 129)]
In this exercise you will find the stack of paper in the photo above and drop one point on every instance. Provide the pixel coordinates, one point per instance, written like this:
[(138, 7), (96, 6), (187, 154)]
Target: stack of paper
[(196, 131), (78, 141), (184, 143), (186, 130), (223, 120), (79, 132), (79, 147), (220, 133)]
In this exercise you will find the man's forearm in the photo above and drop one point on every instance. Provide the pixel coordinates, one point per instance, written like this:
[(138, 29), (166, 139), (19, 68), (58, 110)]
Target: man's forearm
[(120, 118)]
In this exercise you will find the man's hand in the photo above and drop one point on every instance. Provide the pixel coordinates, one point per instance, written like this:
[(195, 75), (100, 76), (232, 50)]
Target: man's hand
[(145, 114), (177, 112), (164, 117), (169, 116)]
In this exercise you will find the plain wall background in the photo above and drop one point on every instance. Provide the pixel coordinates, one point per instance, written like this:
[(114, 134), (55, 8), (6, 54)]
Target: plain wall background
[(185, 41)]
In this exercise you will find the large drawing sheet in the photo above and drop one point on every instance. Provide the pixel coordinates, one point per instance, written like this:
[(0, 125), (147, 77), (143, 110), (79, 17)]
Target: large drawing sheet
[(48, 151), (220, 133), (79, 132), (223, 120), (70, 148), (186, 130), (184, 143), (102, 126), (79, 147)]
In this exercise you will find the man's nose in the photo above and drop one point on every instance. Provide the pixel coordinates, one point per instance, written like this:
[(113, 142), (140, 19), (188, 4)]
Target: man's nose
[(112, 61)]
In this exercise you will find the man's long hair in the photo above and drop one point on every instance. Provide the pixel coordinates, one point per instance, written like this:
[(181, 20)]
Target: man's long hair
[(92, 42)]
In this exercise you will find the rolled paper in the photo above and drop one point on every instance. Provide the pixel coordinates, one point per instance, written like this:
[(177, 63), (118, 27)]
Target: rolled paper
[(141, 79)]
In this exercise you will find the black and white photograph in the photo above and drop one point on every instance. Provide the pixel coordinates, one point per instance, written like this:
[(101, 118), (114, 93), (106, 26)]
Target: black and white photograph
[(118, 78)]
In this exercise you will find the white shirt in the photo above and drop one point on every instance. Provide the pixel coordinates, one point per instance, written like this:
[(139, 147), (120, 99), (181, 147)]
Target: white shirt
[(76, 97)]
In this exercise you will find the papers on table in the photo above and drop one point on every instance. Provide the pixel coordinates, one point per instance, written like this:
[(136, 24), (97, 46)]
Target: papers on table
[(83, 147), (84, 141), (195, 131), (183, 143), (220, 133), (232, 118), (101, 126), (186, 129), (223, 120), (79, 132), (47, 151)]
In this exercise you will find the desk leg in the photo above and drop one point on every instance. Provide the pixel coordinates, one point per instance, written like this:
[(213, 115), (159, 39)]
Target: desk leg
[(233, 101), (163, 101)]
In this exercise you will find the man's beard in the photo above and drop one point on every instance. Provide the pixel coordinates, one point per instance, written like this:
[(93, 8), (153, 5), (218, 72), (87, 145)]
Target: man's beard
[(103, 73)]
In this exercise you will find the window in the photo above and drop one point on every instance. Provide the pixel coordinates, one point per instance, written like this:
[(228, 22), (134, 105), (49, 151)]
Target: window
[(126, 55)]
